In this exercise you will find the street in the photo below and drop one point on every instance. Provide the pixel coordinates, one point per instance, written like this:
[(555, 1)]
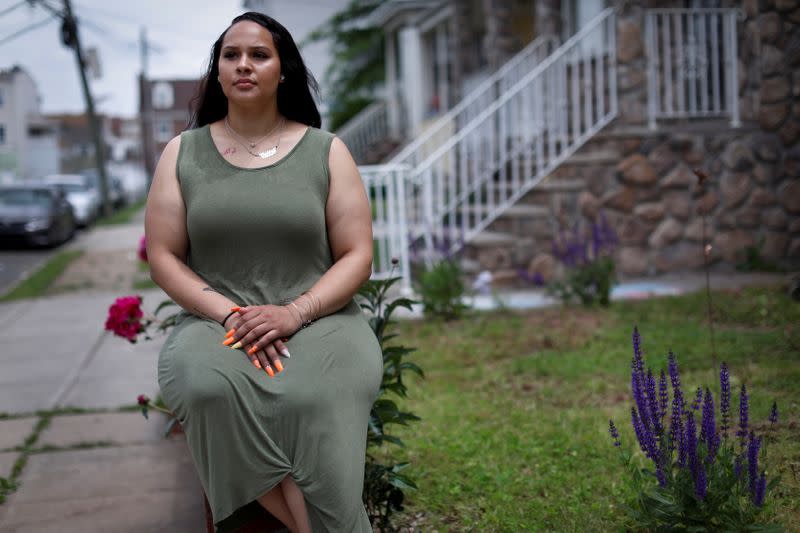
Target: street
[(17, 262)]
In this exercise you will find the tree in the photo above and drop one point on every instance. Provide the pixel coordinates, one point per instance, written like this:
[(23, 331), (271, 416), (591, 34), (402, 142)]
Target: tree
[(357, 67)]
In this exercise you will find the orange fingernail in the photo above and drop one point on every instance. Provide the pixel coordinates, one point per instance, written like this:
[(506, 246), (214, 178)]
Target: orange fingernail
[(257, 363), (235, 308), (230, 333), (228, 341), (279, 366), (270, 372), (252, 350)]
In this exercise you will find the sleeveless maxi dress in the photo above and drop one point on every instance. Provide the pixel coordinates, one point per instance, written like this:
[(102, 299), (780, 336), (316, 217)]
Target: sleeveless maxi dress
[(259, 237)]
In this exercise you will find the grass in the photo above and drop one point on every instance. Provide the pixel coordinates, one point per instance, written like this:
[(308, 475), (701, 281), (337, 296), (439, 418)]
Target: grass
[(515, 406), (123, 215), (37, 284)]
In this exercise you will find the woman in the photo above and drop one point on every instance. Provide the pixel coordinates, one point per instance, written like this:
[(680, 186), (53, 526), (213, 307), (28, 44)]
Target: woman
[(258, 226)]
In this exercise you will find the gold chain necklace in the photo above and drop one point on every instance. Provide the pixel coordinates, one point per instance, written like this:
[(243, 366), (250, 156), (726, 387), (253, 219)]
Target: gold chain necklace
[(264, 154)]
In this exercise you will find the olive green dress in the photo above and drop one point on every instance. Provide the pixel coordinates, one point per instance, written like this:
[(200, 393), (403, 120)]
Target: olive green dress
[(259, 237)]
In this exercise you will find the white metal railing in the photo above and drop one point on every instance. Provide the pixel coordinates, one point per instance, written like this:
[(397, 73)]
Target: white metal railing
[(471, 105), (385, 186), (692, 64), (367, 129), (511, 143)]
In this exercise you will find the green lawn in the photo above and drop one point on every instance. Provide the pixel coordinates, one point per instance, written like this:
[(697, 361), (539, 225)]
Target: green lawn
[(515, 406), (123, 215), (37, 284)]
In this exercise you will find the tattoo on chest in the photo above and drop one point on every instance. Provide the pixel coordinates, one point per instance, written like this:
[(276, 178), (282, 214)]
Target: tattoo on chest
[(229, 151)]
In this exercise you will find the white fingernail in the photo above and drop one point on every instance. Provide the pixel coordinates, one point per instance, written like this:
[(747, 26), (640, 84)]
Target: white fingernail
[(286, 352)]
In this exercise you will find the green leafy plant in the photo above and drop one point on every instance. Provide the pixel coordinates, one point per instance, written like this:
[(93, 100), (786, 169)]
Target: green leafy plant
[(702, 478), (441, 288), (384, 483), (590, 269)]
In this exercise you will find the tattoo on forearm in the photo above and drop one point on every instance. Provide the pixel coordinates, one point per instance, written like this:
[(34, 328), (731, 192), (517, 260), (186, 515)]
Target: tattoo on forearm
[(199, 313)]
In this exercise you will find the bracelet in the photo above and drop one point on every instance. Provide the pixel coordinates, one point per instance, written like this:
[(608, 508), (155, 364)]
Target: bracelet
[(226, 318), (300, 313)]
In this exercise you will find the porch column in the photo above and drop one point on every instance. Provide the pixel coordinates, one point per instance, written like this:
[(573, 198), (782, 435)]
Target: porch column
[(411, 65), (392, 94)]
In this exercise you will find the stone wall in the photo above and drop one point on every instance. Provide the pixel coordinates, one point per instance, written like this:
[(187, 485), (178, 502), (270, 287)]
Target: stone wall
[(753, 196)]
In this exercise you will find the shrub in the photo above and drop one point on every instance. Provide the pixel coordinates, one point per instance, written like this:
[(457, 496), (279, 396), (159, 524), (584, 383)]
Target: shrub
[(441, 281), (700, 477), (586, 256), (384, 483)]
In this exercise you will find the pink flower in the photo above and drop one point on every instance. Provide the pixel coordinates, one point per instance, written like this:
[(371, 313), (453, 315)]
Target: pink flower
[(142, 252), (124, 317), (142, 400)]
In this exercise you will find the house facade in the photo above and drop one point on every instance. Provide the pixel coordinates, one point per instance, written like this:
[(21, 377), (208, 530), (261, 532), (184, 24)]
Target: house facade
[(519, 119), (164, 111), (28, 145)]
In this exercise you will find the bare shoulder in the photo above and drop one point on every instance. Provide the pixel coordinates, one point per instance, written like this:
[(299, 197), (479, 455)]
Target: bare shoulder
[(339, 153)]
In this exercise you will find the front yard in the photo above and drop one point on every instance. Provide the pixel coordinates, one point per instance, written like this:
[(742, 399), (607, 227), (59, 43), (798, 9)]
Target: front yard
[(515, 406)]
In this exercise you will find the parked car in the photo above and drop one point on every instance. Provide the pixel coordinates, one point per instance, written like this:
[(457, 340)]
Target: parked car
[(85, 201), (116, 193), (37, 214)]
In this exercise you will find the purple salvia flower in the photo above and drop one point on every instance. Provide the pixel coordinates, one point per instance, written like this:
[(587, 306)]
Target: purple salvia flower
[(743, 414), (708, 431), (637, 349), (725, 398), (676, 424), (773, 414), (638, 391), (753, 447), (698, 399), (761, 490), (662, 479), (652, 403), (737, 466), (663, 395), (645, 437), (690, 436), (700, 482), (638, 429), (612, 429)]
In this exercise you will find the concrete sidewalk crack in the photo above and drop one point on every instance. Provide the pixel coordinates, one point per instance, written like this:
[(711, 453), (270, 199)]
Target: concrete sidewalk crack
[(72, 380)]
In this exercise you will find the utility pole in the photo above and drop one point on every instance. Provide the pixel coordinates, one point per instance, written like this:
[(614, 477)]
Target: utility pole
[(71, 39), (69, 34)]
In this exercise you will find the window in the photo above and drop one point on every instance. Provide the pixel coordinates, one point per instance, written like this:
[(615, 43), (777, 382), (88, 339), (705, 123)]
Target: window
[(163, 95), (2, 134), (164, 130)]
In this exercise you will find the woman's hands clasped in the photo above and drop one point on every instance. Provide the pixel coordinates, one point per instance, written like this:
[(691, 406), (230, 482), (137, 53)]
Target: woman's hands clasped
[(261, 331)]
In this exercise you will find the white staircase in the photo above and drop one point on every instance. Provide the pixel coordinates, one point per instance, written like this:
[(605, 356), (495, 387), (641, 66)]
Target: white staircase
[(476, 162)]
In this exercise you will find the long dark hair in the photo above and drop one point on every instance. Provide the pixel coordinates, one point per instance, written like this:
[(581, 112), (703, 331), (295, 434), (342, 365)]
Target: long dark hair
[(295, 101)]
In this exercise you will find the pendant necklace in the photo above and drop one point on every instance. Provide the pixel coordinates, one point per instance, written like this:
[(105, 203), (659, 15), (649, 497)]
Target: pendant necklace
[(263, 154)]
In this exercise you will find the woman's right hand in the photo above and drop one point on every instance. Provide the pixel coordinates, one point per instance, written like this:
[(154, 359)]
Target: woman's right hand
[(263, 356)]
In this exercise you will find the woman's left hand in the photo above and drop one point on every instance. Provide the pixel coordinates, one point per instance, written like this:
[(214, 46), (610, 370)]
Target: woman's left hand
[(262, 325)]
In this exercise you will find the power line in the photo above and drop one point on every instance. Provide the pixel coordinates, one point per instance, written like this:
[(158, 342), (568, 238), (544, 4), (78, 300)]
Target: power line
[(26, 29)]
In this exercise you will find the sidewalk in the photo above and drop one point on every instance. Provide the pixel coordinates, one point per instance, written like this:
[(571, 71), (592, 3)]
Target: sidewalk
[(104, 470)]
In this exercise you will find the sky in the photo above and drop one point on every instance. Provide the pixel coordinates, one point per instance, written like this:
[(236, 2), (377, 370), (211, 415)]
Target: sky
[(182, 30)]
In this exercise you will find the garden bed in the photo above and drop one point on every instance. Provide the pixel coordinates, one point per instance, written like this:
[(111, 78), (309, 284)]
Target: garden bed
[(515, 406)]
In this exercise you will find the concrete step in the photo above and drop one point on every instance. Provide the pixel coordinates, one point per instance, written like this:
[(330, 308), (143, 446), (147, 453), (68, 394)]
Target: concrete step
[(561, 185), (492, 238), (517, 210), (594, 157)]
